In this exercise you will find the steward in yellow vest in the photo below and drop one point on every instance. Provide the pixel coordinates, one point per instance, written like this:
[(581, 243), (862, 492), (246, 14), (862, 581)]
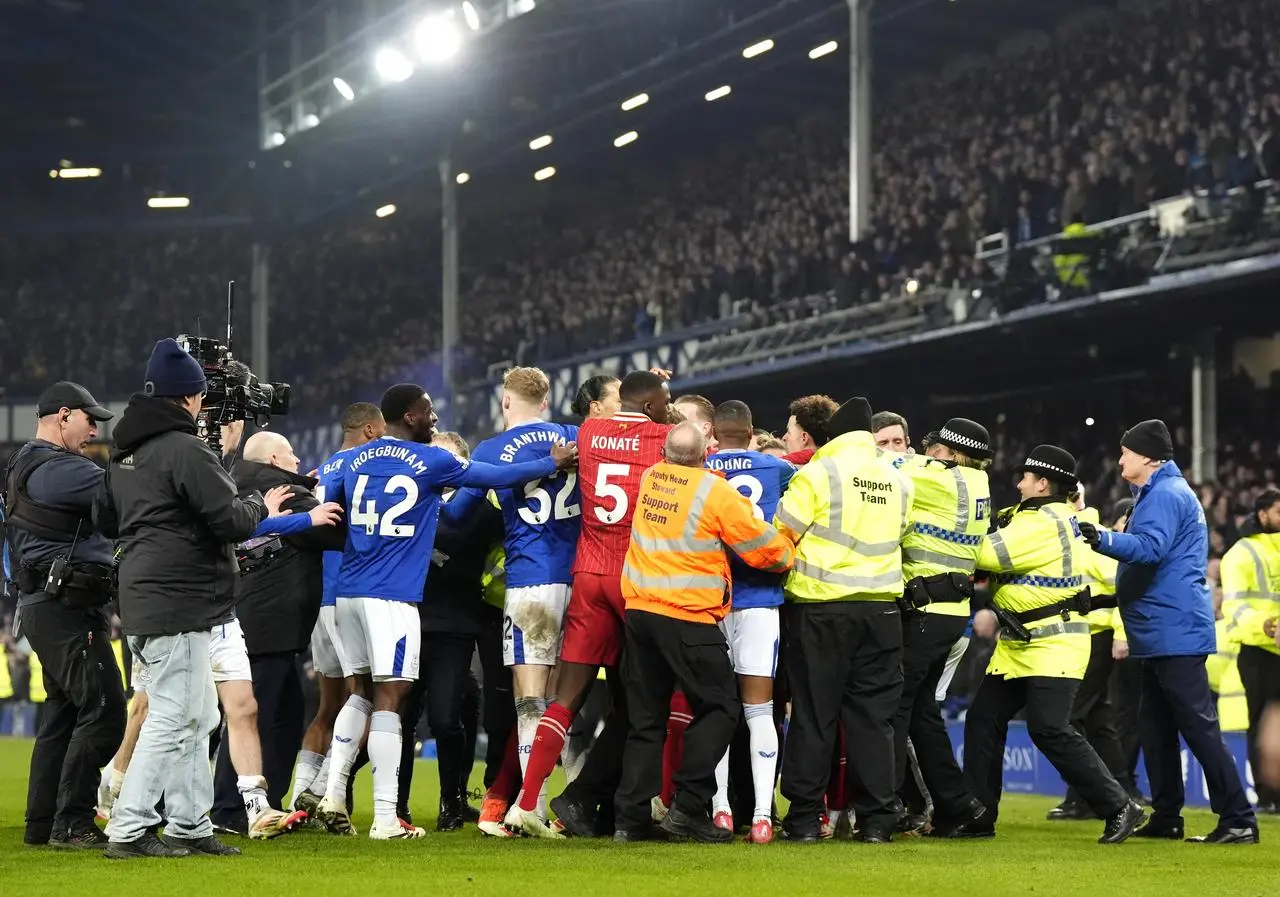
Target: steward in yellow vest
[(1250, 575), (845, 511), (950, 513), (1042, 649)]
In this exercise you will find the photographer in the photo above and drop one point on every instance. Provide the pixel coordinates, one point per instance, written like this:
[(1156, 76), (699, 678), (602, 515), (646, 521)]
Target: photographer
[(62, 568), (176, 516), (277, 606)]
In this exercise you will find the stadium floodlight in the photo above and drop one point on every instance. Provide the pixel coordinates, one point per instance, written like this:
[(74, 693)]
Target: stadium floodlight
[(912, 286), (437, 39), (719, 93), (469, 13), (756, 49), (1088, 422), (543, 173), (823, 49), (76, 173), (168, 202), (391, 65), (623, 139), (277, 138), (462, 177), (524, 6), (635, 102), (386, 211), (342, 87), (310, 120), (542, 142)]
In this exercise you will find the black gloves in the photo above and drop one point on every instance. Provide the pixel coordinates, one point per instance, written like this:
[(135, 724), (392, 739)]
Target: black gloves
[(1090, 534)]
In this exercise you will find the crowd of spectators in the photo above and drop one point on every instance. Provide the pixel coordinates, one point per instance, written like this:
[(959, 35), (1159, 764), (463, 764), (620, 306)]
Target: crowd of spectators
[(1093, 124)]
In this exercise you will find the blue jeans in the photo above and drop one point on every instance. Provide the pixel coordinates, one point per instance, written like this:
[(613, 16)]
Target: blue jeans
[(172, 756)]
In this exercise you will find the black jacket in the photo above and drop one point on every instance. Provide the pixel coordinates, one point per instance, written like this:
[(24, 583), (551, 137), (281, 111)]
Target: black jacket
[(176, 518), (453, 600), (278, 604)]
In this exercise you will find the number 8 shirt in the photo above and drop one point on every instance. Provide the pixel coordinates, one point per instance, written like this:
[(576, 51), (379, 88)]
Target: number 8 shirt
[(613, 454)]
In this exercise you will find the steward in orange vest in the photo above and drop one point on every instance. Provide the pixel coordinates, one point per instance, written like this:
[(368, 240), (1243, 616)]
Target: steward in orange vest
[(676, 583)]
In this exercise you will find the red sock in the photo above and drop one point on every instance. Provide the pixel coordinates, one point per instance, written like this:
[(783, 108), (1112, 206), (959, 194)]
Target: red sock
[(548, 742), (673, 748), (837, 800), (507, 782)]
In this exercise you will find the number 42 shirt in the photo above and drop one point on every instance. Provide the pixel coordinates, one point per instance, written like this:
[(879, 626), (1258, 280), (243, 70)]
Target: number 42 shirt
[(761, 479)]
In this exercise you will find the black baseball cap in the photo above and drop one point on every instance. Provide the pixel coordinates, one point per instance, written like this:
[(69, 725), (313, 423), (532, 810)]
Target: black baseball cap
[(65, 394)]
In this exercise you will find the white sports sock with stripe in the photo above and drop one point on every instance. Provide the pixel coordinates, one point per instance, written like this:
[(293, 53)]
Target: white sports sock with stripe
[(764, 755)]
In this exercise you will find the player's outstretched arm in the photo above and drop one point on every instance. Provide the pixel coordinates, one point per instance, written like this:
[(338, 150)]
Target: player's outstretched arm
[(462, 507)]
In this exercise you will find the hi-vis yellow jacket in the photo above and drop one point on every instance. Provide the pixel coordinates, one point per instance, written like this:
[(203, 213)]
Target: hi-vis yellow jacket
[(1250, 575), (1099, 573), (846, 511), (950, 513), (1224, 679), (1036, 560)]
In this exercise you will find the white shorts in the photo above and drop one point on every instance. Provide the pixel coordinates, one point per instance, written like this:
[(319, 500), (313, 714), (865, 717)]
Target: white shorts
[(533, 617), (380, 637), (752, 634), (327, 656), (227, 656)]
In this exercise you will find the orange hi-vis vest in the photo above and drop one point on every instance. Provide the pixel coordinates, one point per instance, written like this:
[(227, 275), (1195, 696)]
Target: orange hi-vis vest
[(685, 519)]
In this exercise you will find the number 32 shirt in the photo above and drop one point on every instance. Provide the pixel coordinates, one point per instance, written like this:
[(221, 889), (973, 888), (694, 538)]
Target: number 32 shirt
[(541, 518), (761, 479), (392, 490)]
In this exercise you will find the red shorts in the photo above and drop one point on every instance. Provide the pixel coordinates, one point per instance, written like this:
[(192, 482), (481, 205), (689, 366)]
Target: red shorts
[(594, 621)]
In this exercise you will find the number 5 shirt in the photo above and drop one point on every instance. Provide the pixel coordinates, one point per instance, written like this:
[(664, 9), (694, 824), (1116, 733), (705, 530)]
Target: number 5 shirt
[(761, 479), (613, 453), (392, 491), (542, 518)]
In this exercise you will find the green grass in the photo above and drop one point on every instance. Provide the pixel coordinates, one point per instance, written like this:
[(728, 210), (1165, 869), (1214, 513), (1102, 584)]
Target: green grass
[(1030, 856)]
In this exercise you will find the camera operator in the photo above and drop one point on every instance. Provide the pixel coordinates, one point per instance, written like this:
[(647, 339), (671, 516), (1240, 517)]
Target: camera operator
[(277, 606), (62, 567), (176, 515)]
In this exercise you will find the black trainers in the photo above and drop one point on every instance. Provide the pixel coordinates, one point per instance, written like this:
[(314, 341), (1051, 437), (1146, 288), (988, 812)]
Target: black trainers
[(578, 820), (1122, 824), (679, 824), (1070, 810), (450, 818), (1161, 829), (88, 837), (146, 846), (1220, 835), (207, 846)]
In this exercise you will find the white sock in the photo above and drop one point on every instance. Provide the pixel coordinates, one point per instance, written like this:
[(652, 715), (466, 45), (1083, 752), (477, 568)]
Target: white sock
[(304, 773), (528, 714), (764, 755), (384, 758), (721, 799), (117, 781), (253, 791), (320, 784), (348, 729)]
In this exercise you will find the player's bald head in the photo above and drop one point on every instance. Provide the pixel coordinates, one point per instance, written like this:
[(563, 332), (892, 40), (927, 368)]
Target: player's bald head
[(733, 426), (686, 445)]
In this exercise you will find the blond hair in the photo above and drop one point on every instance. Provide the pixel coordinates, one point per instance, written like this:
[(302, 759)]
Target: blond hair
[(527, 384)]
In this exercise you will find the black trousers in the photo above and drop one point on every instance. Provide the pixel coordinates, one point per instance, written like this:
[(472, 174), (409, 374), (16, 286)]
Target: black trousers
[(1048, 702), (499, 714), (83, 717), (598, 780), (1176, 701), (281, 710), (662, 653), (927, 640), (844, 664), (1126, 704), (1093, 716), (1260, 673), (444, 689)]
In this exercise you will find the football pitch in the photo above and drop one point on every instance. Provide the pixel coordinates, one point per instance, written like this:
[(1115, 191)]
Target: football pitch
[(1029, 856)]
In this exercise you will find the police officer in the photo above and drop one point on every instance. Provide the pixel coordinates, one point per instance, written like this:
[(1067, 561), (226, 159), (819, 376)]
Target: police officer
[(62, 567), (1042, 649), (950, 514), (846, 511)]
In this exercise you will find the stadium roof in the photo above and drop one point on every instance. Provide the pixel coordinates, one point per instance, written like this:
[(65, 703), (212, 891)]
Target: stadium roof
[(162, 95)]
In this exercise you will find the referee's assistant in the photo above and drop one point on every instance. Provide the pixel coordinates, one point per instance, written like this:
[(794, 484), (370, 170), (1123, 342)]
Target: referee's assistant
[(846, 511)]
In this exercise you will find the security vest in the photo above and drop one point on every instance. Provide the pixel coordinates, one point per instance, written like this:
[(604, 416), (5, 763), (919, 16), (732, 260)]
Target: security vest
[(1099, 572), (950, 513), (35, 690), (1036, 560), (1224, 680), (685, 520), (493, 581), (1072, 268), (1250, 576), (846, 511), (6, 681)]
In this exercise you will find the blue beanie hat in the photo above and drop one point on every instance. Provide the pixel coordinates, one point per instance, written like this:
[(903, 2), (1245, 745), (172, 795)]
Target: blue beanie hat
[(172, 372)]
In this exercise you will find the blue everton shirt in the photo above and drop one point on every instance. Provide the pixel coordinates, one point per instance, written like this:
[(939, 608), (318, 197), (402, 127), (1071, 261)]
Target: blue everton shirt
[(542, 518), (329, 488), (392, 495), (761, 479)]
